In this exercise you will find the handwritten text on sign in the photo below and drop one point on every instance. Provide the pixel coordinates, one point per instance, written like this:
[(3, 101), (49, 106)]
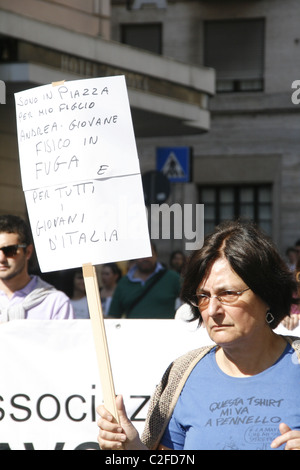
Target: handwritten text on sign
[(78, 130), (80, 173)]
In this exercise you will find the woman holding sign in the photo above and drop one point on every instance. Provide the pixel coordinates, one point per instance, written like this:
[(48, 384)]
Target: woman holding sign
[(243, 392)]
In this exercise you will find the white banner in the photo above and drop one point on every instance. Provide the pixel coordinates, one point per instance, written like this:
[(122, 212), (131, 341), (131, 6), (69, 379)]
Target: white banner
[(49, 387)]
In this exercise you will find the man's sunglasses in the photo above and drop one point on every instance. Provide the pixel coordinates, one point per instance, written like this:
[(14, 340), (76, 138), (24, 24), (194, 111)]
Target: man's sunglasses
[(11, 250)]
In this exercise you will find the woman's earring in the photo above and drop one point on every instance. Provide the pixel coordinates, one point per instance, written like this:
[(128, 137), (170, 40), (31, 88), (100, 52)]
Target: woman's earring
[(269, 317)]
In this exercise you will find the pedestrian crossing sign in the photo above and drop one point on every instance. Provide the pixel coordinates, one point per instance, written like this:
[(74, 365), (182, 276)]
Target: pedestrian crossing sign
[(175, 163)]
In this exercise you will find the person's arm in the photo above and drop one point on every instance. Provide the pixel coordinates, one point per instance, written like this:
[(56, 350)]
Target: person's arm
[(115, 436), (66, 312), (290, 438), (292, 321), (116, 306), (57, 306)]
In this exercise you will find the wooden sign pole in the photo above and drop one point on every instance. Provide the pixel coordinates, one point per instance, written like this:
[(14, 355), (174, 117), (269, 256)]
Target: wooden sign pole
[(96, 316)]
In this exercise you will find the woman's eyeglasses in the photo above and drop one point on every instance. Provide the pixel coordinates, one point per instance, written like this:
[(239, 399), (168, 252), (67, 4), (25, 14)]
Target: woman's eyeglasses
[(11, 250), (227, 297)]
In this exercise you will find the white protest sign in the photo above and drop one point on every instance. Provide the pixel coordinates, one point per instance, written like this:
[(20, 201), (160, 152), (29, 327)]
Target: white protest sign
[(78, 130), (80, 173), (88, 221)]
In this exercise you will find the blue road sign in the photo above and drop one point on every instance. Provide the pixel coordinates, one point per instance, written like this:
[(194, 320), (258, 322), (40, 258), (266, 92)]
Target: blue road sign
[(175, 163)]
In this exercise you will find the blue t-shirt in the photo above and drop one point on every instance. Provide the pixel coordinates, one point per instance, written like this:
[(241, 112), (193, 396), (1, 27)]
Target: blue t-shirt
[(218, 412)]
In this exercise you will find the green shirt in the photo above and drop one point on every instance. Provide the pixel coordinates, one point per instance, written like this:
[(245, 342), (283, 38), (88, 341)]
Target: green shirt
[(158, 302)]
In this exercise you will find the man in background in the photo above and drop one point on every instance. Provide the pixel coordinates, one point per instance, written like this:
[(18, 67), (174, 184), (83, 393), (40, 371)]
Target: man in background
[(147, 291), (25, 296)]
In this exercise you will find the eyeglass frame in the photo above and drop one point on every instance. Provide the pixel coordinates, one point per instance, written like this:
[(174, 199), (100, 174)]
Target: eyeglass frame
[(14, 249), (217, 296)]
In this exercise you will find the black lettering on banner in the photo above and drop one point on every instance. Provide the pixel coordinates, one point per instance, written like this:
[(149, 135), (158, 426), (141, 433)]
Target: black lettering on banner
[(30, 446), (4, 446), (20, 407), (2, 414), (88, 446), (58, 446), (93, 405), (68, 408), (39, 403), (136, 412)]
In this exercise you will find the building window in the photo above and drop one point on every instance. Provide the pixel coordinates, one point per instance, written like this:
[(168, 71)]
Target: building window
[(144, 36), (232, 202), (8, 49), (235, 49)]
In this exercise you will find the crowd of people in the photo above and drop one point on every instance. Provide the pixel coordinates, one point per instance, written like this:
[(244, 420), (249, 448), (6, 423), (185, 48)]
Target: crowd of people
[(237, 286), (148, 289)]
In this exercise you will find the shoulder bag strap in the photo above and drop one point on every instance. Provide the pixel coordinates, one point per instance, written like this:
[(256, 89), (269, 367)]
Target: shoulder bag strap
[(156, 278)]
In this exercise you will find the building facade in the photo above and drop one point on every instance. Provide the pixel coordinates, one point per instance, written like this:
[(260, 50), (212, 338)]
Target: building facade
[(48, 41), (248, 164), (211, 77)]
